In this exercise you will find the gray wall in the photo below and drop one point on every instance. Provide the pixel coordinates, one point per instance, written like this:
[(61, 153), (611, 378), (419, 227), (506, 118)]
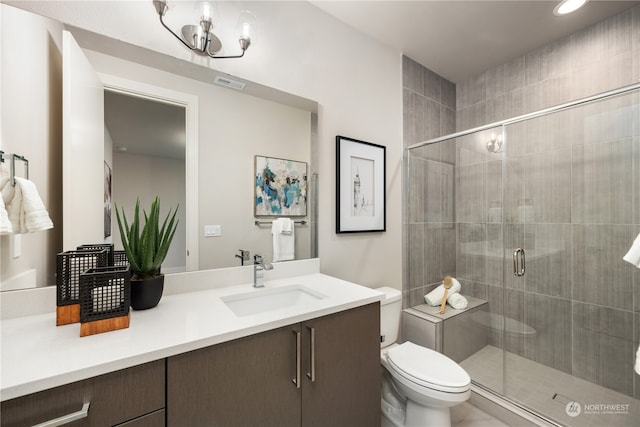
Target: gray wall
[(579, 174)]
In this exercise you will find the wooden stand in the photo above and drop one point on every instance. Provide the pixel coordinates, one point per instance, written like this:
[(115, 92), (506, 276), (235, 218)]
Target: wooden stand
[(104, 325), (67, 314)]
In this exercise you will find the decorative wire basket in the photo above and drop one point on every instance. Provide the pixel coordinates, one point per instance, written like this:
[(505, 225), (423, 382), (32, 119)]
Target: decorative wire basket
[(98, 247), (105, 292), (120, 259), (69, 266)]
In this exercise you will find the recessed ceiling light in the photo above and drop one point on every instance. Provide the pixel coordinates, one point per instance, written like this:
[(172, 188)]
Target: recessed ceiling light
[(568, 6)]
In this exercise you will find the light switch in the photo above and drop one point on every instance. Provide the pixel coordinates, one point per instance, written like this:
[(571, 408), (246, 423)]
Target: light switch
[(212, 230)]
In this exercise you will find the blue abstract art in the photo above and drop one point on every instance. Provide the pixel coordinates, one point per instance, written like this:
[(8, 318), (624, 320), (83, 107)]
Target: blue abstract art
[(280, 187)]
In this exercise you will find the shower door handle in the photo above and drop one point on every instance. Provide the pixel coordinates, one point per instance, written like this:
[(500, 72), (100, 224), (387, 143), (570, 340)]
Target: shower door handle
[(518, 262)]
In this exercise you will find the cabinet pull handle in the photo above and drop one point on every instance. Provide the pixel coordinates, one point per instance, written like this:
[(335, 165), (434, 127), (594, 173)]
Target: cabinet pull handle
[(65, 419), (312, 373), (296, 379)]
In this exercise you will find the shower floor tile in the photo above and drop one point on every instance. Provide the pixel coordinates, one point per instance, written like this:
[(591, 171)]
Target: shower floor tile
[(535, 385)]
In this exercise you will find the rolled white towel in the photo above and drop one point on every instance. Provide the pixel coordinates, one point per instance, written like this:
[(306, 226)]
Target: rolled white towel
[(633, 256), (457, 301), (434, 297)]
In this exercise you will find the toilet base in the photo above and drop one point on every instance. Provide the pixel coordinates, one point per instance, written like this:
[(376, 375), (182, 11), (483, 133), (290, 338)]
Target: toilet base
[(420, 416)]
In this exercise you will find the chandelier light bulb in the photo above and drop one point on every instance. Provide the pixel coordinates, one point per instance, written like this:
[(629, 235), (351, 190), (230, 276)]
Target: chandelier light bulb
[(246, 28)]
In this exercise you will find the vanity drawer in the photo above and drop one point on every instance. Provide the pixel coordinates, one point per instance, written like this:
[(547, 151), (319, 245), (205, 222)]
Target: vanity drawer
[(114, 398)]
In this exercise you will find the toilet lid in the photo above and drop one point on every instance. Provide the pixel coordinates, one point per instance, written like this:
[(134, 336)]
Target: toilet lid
[(428, 368)]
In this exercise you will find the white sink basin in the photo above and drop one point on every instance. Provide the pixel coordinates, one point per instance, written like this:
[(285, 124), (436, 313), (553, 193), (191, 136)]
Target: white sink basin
[(268, 299)]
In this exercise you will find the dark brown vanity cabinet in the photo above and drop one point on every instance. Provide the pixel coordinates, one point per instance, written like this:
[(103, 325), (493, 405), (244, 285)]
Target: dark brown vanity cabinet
[(322, 372), (133, 396)]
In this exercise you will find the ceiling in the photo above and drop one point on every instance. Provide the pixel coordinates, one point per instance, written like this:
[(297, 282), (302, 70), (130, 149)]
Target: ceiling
[(145, 127), (460, 39)]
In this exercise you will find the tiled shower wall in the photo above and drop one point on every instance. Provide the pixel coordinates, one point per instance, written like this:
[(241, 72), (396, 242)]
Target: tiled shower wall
[(579, 177), (428, 112)]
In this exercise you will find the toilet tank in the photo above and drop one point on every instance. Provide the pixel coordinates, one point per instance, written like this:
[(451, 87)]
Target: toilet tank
[(390, 309)]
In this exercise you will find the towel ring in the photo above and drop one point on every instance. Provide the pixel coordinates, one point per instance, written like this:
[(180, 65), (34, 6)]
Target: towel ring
[(13, 167)]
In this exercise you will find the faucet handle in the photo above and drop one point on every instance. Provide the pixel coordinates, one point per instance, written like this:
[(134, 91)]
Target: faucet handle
[(257, 259), (243, 255)]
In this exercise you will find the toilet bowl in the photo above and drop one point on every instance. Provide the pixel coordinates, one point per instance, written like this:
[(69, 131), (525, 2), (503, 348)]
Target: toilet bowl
[(420, 385)]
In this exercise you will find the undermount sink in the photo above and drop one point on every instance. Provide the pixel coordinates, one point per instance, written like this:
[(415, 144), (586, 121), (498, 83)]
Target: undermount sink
[(268, 299)]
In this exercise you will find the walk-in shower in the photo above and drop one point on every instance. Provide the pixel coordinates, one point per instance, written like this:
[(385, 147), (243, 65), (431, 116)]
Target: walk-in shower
[(534, 215)]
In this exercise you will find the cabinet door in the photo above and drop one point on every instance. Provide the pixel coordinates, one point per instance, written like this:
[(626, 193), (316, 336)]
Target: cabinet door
[(345, 350), (114, 398), (245, 382)]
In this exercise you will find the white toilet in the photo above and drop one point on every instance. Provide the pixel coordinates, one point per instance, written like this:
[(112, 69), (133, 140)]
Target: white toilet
[(419, 385)]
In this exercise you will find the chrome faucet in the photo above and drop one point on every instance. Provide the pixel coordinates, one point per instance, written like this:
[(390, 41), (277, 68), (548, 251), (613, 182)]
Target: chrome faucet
[(258, 270)]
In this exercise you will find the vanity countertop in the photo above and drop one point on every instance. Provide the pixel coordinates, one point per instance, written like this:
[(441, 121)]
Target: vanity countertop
[(36, 355)]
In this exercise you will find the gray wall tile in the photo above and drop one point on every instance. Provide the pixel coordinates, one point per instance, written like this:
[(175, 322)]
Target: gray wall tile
[(603, 346), (447, 121), (416, 255), (437, 263), (495, 82), (619, 33), (551, 318), (431, 120), (471, 250), (471, 193), (603, 187), (636, 177), (439, 192), (448, 94), (505, 106), (415, 189), (600, 276), (412, 75), (411, 118), (472, 116), (514, 74), (432, 85), (548, 250), (547, 188)]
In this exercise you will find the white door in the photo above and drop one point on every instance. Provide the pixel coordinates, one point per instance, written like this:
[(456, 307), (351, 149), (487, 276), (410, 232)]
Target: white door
[(83, 148)]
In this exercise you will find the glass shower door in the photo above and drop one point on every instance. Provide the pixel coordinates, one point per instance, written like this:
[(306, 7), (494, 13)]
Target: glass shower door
[(572, 210)]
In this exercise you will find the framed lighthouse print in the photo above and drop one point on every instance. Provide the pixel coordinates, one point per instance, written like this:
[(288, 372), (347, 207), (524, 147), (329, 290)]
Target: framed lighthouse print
[(360, 186)]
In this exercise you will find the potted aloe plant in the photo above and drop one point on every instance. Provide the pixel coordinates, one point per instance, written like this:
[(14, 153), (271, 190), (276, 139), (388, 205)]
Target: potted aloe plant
[(146, 246)]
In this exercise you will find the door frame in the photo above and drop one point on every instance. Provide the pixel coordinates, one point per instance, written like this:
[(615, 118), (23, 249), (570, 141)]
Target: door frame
[(190, 103)]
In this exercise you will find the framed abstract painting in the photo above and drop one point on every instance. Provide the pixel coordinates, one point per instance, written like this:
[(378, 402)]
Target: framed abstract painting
[(360, 186), (280, 187)]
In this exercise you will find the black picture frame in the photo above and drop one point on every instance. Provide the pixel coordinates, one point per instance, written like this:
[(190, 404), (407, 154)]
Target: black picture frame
[(360, 186)]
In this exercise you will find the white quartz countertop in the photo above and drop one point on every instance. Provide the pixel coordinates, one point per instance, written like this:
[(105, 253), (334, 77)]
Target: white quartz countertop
[(37, 355)]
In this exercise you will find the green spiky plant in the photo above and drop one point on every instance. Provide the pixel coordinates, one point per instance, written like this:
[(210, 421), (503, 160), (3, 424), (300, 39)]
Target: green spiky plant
[(146, 247)]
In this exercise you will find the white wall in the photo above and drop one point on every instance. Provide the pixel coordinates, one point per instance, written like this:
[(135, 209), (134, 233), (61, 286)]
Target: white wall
[(356, 81), (160, 177), (31, 125), (233, 128)]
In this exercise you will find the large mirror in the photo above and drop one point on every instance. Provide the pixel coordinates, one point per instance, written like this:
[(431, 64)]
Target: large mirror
[(223, 130)]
